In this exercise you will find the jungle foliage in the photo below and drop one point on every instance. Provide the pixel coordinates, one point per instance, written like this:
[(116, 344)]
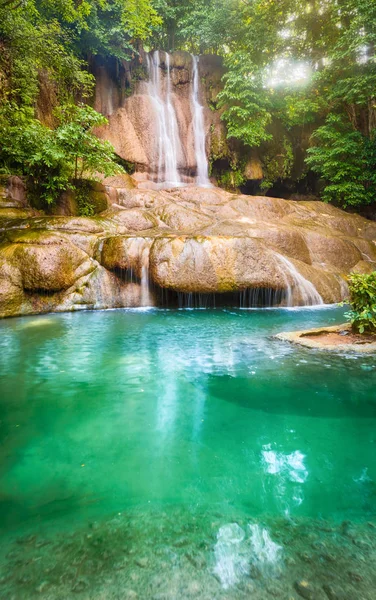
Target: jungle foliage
[(297, 70), (52, 41), (362, 314), (54, 159), (300, 80)]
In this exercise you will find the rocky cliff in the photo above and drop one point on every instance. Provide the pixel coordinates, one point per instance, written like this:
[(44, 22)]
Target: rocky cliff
[(133, 126)]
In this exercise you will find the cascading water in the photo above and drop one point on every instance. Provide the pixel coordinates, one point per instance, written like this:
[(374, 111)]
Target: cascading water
[(168, 147), (168, 142), (307, 291), (202, 177), (146, 299)]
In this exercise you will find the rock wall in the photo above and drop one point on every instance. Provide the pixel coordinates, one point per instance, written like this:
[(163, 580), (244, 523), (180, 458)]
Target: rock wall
[(132, 127), (184, 241)]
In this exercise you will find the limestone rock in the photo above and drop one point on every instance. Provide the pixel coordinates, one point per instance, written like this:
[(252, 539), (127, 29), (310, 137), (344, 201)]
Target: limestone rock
[(339, 252), (12, 192), (190, 240), (181, 219), (49, 264), (67, 204), (253, 169), (364, 267), (305, 589), (122, 181), (207, 265), (134, 220), (132, 124), (126, 253), (11, 289)]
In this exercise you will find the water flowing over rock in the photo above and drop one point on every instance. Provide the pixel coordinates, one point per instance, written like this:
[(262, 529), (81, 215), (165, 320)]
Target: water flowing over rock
[(168, 140), (202, 177), (187, 247), (294, 280), (163, 127)]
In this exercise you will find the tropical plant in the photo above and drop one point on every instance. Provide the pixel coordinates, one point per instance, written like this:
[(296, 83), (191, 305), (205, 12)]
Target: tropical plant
[(362, 313), (53, 159), (345, 158), (83, 151)]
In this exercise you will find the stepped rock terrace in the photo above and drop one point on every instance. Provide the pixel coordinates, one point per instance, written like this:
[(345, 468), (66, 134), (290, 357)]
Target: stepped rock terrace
[(185, 246)]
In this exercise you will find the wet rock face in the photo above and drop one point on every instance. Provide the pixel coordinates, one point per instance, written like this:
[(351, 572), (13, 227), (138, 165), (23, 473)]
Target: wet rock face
[(132, 124), (12, 192), (190, 240), (215, 264)]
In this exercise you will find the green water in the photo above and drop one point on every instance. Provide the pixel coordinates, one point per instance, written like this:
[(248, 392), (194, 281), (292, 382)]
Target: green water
[(131, 437)]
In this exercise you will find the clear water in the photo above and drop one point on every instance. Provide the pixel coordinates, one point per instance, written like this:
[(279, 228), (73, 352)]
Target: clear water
[(184, 454)]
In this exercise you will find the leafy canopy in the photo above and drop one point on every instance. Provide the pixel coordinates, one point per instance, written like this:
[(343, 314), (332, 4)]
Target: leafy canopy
[(297, 70), (300, 81)]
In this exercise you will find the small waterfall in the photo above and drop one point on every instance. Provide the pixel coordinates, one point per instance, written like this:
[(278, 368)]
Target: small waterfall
[(168, 142), (202, 177), (146, 296), (308, 292)]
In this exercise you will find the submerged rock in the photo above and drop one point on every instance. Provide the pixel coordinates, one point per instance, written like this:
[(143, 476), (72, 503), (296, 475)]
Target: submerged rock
[(304, 589)]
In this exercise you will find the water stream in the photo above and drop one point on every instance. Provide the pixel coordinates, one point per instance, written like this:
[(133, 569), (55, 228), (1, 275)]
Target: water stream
[(146, 296), (297, 285)]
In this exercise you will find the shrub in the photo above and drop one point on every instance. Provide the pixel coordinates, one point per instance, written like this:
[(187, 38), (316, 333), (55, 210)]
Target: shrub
[(362, 315), (231, 180), (346, 161), (54, 159)]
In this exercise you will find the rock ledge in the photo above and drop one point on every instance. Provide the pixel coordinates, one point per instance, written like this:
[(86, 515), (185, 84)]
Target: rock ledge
[(338, 338)]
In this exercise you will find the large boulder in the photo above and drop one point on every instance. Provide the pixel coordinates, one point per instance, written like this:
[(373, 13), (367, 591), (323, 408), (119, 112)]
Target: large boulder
[(125, 253), (49, 264), (11, 288), (208, 265)]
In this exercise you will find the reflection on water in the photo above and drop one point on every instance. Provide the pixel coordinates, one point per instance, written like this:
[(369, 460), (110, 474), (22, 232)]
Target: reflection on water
[(221, 448)]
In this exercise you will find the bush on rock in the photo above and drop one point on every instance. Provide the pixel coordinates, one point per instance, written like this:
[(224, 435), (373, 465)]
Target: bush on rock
[(362, 302)]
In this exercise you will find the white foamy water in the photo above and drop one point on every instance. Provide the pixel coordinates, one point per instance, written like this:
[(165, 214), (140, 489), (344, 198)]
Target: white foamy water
[(266, 554), (230, 552), (168, 145), (168, 142), (202, 176), (146, 298), (294, 280), (291, 465)]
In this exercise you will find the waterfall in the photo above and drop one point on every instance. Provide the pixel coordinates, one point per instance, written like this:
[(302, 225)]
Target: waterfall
[(308, 292), (168, 142), (146, 298), (202, 177), (168, 145)]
